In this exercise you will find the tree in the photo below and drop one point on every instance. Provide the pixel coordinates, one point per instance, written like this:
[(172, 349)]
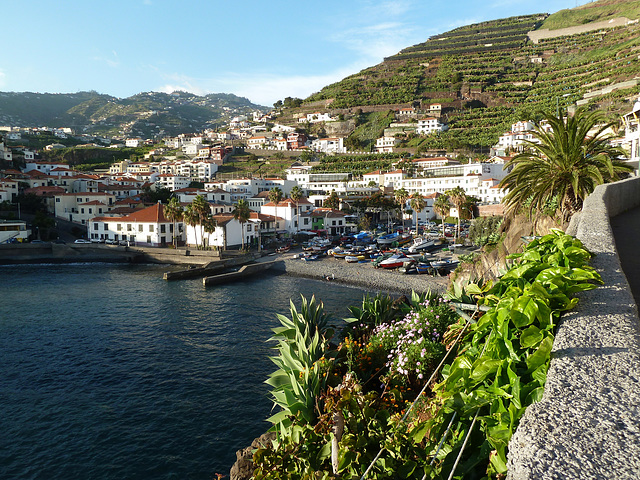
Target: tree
[(458, 198), (417, 203), (332, 201), (401, 196), (442, 206), (570, 160), (174, 212), (275, 196), (242, 213), (190, 217), (296, 195)]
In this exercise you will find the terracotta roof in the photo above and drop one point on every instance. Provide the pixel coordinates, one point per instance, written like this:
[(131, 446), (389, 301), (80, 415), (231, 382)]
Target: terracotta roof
[(94, 202)]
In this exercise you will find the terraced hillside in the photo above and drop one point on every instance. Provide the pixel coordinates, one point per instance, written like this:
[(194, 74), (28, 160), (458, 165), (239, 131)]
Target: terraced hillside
[(489, 75)]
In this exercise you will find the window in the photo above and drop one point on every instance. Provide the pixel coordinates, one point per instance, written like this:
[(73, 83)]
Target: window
[(95, 226), (163, 228), (82, 210), (140, 227), (150, 229), (118, 227)]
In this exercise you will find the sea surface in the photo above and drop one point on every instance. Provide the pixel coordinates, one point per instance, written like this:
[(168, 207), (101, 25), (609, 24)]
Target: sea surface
[(110, 372)]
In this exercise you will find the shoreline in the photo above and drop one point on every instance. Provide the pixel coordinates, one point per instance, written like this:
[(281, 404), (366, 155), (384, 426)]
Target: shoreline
[(362, 275)]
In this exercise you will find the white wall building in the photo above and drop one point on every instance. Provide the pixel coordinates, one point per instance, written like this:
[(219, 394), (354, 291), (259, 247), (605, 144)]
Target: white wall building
[(429, 125), (329, 145)]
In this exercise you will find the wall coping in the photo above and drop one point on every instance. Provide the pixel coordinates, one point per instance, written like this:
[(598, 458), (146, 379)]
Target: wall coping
[(587, 424)]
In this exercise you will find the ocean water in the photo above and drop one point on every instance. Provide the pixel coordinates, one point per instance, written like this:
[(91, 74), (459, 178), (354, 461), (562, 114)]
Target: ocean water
[(109, 372)]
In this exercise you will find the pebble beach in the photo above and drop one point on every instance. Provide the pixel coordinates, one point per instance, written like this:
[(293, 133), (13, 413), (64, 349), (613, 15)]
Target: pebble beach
[(363, 275)]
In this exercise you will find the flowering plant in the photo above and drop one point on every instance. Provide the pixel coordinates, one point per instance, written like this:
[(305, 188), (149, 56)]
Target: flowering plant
[(414, 342)]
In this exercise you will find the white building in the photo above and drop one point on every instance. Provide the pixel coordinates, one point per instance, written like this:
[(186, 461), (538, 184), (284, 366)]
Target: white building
[(429, 125), (386, 144), (81, 207), (145, 227), (329, 145)]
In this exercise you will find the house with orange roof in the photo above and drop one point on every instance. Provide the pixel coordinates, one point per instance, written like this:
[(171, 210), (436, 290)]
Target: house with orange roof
[(228, 232), (147, 227), (10, 188), (292, 216), (82, 206)]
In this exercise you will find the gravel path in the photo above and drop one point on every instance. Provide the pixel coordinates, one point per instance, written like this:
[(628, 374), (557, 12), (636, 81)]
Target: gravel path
[(363, 275)]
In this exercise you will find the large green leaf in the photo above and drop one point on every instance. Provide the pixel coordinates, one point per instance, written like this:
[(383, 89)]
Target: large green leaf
[(531, 336), (541, 355), (524, 311)]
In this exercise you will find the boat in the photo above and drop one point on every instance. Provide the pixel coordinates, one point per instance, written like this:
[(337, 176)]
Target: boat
[(284, 249), (311, 258), (389, 238), (421, 243), (445, 265), (395, 261), (354, 258), (423, 268)]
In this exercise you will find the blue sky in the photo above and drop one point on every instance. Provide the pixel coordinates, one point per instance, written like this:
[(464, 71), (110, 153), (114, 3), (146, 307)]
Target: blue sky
[(262, 50)]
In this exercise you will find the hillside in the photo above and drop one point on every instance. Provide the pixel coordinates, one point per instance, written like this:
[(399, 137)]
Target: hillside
[(491, 74), (145, 115)]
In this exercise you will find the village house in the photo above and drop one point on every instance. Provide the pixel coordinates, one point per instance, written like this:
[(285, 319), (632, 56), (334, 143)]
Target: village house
[(386, 144), (429, 125), (145, 227), (82, 206), (631, 124), (228, 233), (292, 215), (329, 145)]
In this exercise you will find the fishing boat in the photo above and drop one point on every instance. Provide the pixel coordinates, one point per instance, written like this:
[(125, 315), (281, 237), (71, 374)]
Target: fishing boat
[(445, 265), (311, 258), (354, 258), (423, 268), (389, 238), (421, 243), (395, 261)]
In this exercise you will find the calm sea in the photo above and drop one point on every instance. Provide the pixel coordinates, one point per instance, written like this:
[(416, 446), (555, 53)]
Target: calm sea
[(109, 372)]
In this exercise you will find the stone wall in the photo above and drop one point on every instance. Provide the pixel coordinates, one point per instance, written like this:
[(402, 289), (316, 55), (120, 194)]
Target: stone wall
[(536, 35), (587, 425)]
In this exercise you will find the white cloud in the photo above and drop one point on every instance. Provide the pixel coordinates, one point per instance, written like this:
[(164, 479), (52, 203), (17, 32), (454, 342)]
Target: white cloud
[(263, 89), (111, 60)]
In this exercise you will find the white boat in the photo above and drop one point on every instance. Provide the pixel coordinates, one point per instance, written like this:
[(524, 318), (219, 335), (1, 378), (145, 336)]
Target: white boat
[(421, 243)]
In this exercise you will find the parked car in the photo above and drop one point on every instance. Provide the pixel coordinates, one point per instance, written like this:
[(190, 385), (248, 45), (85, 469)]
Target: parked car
[(111, 241), (82, 240)]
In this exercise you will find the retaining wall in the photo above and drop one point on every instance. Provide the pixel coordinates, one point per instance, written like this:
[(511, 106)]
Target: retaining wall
[(587, 425)]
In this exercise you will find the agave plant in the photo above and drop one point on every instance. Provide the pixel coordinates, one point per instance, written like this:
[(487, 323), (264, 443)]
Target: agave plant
[(301, 342)]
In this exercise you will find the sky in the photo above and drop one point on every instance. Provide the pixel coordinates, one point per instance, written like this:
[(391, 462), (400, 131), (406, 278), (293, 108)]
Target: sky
[(262, 50)]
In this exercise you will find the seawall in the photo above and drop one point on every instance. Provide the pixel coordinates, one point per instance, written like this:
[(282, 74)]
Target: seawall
[(76, 253), (587, 425)]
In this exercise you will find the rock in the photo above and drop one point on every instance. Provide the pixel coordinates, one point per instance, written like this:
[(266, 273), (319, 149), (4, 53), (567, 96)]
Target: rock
[(243, 468)]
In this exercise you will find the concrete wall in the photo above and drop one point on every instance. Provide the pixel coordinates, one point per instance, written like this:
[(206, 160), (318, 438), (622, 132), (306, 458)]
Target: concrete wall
[(587, 425)]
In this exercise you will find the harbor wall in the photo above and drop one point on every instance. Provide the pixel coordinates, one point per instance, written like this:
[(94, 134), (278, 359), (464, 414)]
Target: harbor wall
[(586, 425)]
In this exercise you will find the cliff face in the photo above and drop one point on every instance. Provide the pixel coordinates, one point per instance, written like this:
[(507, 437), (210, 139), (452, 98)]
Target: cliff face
[(489, 265)]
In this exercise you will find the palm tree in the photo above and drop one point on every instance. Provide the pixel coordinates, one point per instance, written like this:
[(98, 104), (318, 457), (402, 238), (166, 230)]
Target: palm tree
[(296, 195), (458, 198), (275, 196), (564, 165), (202, 211), (242, 213), (174, 212), (209, 225), (442, 206), (417, 203), (401, 197), (190, 217)]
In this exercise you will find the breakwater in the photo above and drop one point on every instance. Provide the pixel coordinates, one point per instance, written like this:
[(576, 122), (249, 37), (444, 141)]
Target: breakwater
[(586, 425)]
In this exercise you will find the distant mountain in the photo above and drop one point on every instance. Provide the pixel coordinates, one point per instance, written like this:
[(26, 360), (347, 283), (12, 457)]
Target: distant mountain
[(145, 114)]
